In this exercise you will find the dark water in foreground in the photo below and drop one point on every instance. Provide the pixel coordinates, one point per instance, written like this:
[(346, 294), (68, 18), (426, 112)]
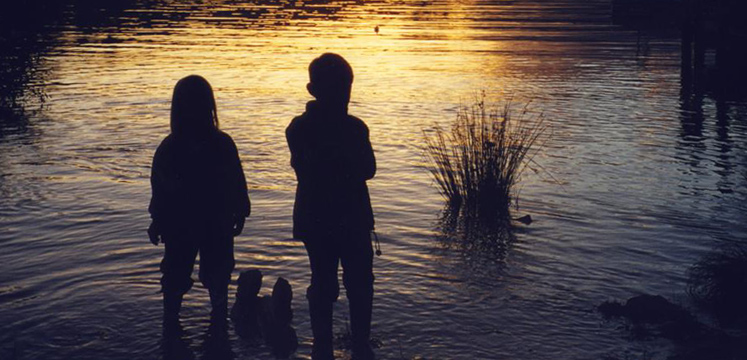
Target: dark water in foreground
[(648, 177)]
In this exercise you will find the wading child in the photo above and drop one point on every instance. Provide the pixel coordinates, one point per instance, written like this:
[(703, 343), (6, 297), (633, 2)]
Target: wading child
[(332, 157), (199, 201)]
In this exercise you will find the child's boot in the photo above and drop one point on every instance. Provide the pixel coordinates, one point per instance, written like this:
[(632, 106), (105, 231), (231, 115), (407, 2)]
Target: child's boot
[(321, 326), (219, 303), (360, 326), (172, 304)]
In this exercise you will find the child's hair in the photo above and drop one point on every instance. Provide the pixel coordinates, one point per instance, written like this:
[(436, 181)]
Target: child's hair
[(330, 68), (193, 109)]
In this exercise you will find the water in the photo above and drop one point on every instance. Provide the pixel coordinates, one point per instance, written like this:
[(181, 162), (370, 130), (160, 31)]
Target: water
[(640, 178)]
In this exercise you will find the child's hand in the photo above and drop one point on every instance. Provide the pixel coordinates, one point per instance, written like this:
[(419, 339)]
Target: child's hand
[(238, 224), (154, 233)]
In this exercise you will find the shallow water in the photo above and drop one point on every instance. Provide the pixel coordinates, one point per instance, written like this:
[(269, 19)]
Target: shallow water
[(640, 177)]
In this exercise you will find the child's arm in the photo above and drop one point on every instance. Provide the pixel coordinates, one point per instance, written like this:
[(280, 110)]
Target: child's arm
[(362, 162), (368, 163), (242, 205), (298, 159), (157, 205)]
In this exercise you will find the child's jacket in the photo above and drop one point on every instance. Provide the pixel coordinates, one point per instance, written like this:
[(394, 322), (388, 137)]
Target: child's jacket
[(332, 156), (197, 181)]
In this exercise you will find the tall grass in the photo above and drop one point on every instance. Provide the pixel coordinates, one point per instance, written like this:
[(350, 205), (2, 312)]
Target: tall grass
[(480, 159)]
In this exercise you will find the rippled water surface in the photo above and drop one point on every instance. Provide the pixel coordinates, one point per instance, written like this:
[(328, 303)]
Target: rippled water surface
[(640, 177)]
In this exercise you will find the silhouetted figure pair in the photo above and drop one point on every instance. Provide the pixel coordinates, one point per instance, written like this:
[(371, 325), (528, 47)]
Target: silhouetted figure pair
[(200, 201)]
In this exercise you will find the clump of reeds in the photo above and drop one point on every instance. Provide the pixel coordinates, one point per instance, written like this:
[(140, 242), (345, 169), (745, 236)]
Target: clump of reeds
[(479, 160), (719, 283)]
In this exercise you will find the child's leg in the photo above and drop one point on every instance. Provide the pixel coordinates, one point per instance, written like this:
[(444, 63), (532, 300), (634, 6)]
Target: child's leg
[(322, 293), (357, 267), (216, 265), (176, 267)]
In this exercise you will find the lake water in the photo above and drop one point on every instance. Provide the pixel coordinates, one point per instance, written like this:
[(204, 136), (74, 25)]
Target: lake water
[(640, 177)]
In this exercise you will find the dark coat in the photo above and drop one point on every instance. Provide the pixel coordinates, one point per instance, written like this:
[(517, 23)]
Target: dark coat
[(197, 181), (332, 156)]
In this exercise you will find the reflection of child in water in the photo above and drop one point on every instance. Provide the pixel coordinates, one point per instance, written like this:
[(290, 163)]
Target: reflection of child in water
[(199, 200)]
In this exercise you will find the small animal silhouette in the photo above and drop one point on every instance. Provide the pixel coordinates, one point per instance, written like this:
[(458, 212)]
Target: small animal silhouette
[(279, 333), (245, 311), (526, 219), (268, 317)]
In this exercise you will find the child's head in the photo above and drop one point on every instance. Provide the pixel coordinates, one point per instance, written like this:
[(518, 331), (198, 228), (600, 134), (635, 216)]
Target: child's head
[(249, 283), (330, 79), (193, 110)]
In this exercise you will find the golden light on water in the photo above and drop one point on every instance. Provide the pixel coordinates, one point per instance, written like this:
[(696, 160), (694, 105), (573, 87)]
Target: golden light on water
[(257, 59)]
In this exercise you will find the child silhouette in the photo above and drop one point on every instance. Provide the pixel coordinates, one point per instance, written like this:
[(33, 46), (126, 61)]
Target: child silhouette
[(332, 157), (199, 200)]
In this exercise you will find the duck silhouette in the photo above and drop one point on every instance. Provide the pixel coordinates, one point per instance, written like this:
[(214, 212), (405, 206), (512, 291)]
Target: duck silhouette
[(526, 219)]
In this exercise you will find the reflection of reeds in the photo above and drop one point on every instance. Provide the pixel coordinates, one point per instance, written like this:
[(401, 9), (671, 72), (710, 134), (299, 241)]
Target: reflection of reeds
[(29, 32), (480, 242), (17, 81), (478, 162), (719, 283), (23, 42)]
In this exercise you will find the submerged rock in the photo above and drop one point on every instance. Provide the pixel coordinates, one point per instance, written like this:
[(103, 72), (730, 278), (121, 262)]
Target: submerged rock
[(644, 308), (664, 318), (654, 309), (655, 316)]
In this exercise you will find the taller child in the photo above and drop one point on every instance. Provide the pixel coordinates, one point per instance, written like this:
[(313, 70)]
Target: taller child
[(332, 156), (199, 200)]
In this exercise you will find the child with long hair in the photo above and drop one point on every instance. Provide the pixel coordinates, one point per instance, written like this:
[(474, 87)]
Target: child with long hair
[(199, 200)]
